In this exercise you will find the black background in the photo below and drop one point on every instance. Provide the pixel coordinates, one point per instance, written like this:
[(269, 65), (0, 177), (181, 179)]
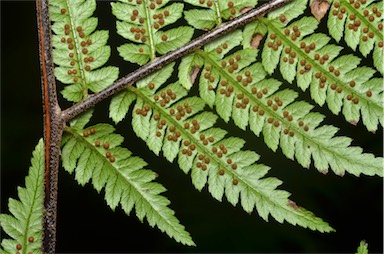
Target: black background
[(353, 206)]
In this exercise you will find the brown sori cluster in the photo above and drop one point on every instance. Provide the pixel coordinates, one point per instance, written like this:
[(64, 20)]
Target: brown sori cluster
[(220, 151), (139, 35), (165, 97), (105, 145), (354, 23), (232, 65), (181, 110), (158, 17), (242, 101), (71, 46), (275, 43), (19, 247), (301, 124)]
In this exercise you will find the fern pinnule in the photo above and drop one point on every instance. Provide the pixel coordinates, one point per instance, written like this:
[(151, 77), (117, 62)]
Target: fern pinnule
[(176, 126), (361, 25), (142, 23), (215, 12), (308, 58), (239, 89), (94, 153), (24, 226), (79, 50)]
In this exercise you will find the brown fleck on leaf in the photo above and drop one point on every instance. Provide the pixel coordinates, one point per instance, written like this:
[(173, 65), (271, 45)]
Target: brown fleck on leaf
[(194, 72), (293, 204), (246, 9), (255, 41), (319, 8), (324, 171)]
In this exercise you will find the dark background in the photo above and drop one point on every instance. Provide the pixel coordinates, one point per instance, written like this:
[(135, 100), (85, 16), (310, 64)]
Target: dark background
[(353, 206)]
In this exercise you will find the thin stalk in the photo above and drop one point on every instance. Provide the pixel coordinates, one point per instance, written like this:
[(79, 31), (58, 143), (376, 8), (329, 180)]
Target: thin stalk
[(160, 62), (53, 127)]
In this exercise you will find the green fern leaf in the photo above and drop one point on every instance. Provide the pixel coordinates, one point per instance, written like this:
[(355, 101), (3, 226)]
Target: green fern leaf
[(239, 89), (177, 127), (24, 226), (361, 24), (215, 12), (141, 23), (79, 51), (95, 154), (314, 63), (290, 11), (363, 248)]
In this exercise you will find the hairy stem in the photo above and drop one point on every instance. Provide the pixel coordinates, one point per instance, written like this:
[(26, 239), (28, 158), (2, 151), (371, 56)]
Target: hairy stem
[(160, 62), (53, 127)]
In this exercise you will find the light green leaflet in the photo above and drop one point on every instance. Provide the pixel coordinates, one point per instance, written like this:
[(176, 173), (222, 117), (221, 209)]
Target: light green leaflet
[(24, 226), (143, 24), (239, 89), (179, 128), (316, 64), (94, 154), (79, 51)]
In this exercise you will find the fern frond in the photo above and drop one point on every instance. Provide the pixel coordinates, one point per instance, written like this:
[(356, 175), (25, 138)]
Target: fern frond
[(363, 248), (141, 22), (94, 153), (214, 12), (240, 90), (361, 25), (79, 50), (308, 58), (24, 226), (178, 128)]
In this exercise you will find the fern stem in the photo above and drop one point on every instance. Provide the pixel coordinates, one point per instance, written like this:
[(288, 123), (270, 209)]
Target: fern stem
[(160, 62), (53, 127)]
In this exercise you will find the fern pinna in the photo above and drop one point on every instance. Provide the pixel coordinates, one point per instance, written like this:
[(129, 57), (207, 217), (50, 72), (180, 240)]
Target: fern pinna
[(239, 88), (24, 225), (361, 25), (175, 126), (79, 50), (141, 22), (308, 57), (95, 153)]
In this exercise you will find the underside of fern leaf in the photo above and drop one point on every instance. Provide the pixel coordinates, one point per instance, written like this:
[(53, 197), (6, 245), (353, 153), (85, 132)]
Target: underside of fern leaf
[(177, 127), (231, 81), (142, 23), (24, 226), (307, 57), (79, 50), (240, 89), (361, 25), (94, 153)]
